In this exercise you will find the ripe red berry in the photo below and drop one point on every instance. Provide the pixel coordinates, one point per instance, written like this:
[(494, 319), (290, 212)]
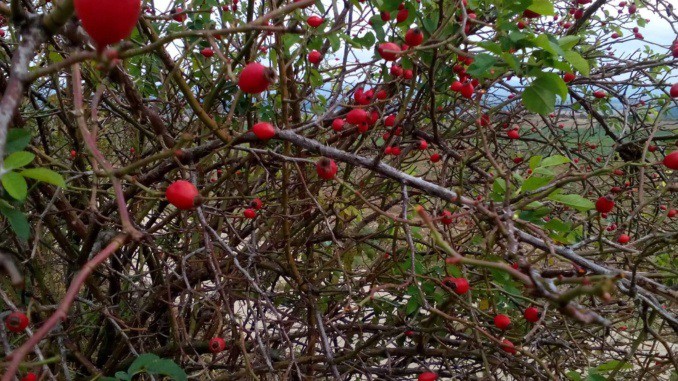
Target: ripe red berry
[(108, 21), (182, 194), (249, 213), (624, 238), (532, 314), (396, 70), (569, 77), (315, 21), (357, 116), (518, 160), (207, 52), (456, 86), (467, 90), (326, 168), (385, 16), (604, 204), (177, 15), (672, 213), (338, 124), (460, 286), (508, 346), (579, 13), (671, 160), (427, 376), (408, 74), (389, 51), (513, 134), (382, 94), (435, 158), (446, 217), (402, 15), (502, 321), (599, 94), (16, 322), (255, 78), (217, 344), (674, 90), (315, 57), (257, 204), (30, 377), (423, 144), (263, 130), (414, 37)]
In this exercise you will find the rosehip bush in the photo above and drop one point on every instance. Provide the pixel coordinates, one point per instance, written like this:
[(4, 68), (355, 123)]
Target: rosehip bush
[(359, 190)]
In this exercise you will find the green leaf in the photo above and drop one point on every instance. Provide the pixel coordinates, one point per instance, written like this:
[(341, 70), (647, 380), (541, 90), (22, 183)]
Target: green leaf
[(543, 7), (554, 160), (612, 365), (573, 376), (122, 376), (17, 220), (167, 368), (482, 63), (578, 62), (335, 42), (17, 139), (572, 200), (595, 377), (568, 42), (15, 185), (367, 40), (540, 96), (549, 43), (141, 362), (18, 159), (534, 161), (499, 186), (389, 5), (431, 23), (45, 175), (535, 182), (151, 363)]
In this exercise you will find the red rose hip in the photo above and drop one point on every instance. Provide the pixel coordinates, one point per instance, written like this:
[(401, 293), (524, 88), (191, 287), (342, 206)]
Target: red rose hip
[(326, 168), (108, 21), (255, 78), (16, 322), (182, 194)]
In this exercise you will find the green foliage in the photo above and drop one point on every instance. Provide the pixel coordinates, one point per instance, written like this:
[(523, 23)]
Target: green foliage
[(14, 183), (152, 364)]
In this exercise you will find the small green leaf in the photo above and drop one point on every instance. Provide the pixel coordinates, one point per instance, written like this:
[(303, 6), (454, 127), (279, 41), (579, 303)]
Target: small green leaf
[(543, 7), (17, 139), (167, 368), (534, 161), (122, 376), (573, 376), (44, 175), (540, 96), (18, 159), (141, 362), (554, 160), (573, 200), (17, 220), (612, 365), (535, 182), (15, 185), (482, 63), (578, 62), (549, 43), (568, 42)]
